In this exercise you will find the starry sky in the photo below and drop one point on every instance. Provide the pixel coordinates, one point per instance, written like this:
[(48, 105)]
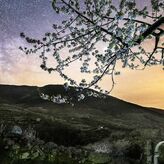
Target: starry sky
[(35, 17)]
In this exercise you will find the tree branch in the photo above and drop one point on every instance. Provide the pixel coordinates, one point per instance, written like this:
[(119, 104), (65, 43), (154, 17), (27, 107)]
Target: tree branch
[(105, 70), (150, 30), (156, 45), (90, 21), (134, 20)]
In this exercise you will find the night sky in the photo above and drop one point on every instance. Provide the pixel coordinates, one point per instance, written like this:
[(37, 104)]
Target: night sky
[(35, 17)]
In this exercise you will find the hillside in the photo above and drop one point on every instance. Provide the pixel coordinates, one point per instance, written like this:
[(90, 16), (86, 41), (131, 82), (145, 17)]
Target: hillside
[(89, 121), (90, 112)]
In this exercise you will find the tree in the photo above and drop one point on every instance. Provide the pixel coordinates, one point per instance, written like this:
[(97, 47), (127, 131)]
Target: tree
[(86, 24)]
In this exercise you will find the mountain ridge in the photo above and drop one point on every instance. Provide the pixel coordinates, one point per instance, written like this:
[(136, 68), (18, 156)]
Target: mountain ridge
[(24, 89)]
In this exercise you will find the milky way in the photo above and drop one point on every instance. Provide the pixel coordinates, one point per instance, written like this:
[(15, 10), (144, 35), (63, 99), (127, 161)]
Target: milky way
[(34, 17)]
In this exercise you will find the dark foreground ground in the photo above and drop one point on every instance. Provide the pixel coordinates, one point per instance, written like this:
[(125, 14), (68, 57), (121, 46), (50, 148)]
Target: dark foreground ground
[(95, 130)]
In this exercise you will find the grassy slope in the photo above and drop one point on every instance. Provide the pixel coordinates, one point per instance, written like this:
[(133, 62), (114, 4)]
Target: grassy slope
[(78, 124)]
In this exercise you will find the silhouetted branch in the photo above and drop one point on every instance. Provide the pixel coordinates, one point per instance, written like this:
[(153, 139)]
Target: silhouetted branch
[(155, 48), (150, 30)]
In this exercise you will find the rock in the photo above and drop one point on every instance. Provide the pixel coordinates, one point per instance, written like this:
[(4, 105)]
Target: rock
[(17, 130), (25, 155)]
